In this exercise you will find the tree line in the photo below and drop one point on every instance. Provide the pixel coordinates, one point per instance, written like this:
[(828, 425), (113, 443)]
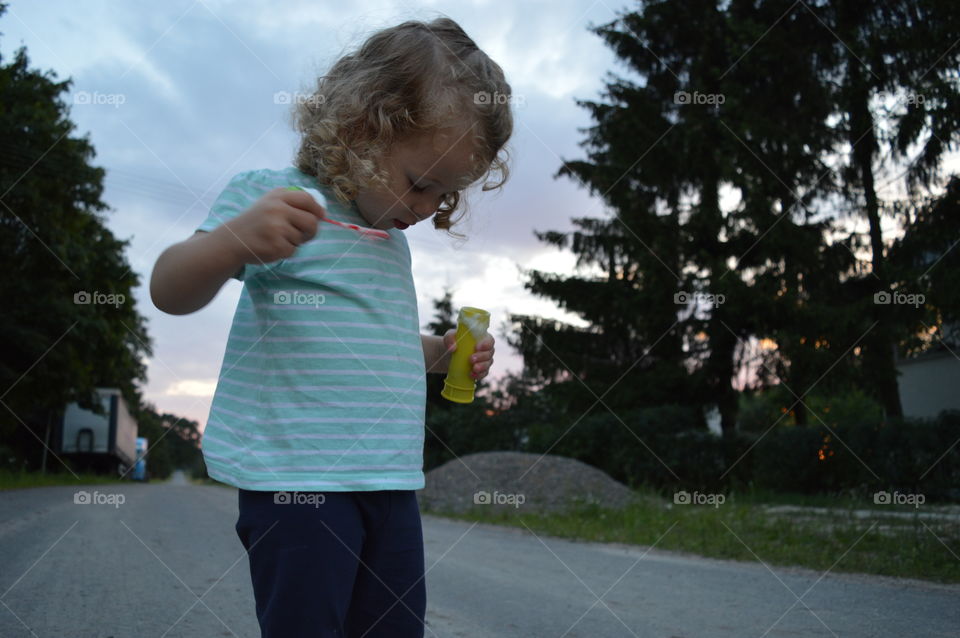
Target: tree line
[(750, 238), (744, 162), (69, 322)]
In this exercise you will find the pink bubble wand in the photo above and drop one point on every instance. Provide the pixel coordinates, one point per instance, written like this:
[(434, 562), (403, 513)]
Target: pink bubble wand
[(369, 233)]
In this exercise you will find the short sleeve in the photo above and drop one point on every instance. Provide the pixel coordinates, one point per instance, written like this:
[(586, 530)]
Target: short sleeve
[(242, 191)]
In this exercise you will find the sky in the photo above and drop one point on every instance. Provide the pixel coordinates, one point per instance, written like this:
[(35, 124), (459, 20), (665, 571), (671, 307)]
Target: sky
[(179, 96)]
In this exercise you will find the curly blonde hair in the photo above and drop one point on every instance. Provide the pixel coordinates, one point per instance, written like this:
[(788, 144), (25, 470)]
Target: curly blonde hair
[(413, 78)]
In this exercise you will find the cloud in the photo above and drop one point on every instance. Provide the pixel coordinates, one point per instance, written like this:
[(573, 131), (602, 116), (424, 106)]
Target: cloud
[(198, 81), (193, 388)]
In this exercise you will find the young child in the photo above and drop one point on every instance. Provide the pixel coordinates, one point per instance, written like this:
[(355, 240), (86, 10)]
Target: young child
[(318, 416)]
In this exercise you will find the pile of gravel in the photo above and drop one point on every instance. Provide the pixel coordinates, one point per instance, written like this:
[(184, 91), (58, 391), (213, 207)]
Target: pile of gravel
[(519, 481)]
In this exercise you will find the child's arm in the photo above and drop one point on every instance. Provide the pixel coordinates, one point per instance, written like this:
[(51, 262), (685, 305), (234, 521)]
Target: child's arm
[(189, 274), (437, 349), (436, 353)]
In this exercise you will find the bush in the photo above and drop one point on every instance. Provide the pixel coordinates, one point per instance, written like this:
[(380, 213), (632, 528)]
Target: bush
[(848, 449), (788, 459), (758, 412), (464, 429), (911, 455), (852, 408), (660, 446)]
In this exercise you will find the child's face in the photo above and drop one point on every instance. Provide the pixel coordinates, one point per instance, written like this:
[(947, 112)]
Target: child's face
[(420, 170)]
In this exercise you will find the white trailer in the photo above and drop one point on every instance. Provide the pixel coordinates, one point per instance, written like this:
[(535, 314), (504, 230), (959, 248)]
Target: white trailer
[(102, 442)]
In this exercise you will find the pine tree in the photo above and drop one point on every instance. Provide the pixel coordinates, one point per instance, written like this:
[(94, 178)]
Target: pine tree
[(776, 101), (662, 150)]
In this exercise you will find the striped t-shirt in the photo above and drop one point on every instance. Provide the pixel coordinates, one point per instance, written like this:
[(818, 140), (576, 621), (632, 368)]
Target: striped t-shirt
[(323, 381)]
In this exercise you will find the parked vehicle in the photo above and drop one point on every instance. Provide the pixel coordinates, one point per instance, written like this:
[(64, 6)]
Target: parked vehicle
[(99, 442), (140, 465)]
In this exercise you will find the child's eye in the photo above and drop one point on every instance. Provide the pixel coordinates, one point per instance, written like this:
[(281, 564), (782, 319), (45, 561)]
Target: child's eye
[(415, 188)]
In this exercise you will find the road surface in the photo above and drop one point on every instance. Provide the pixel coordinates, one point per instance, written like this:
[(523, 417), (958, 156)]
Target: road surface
[(165, 562)]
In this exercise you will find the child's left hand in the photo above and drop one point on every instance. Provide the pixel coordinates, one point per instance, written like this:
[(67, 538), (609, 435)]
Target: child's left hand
[(482, 357)]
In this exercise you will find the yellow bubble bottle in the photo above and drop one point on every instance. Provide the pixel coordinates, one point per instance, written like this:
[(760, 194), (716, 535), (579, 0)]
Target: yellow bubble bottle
[(472, 325)]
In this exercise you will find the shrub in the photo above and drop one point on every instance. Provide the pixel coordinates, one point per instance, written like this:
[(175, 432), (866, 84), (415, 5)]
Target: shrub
[(849, 448), (914, 455)]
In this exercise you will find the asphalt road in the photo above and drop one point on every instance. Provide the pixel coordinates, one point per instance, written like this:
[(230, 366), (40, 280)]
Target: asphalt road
[(166, 562)]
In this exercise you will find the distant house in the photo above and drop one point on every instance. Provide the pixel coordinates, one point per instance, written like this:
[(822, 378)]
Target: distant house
[(930, 383)]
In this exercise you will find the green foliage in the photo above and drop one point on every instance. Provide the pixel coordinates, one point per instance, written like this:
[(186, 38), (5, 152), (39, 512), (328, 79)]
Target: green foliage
[(787, 460), (853, 409), (744, 529), (587, 366), (199, 472), (775, 407), (174, 443), (661, 446), (464, 429), (54, 245), (912, 456), (849, 447), (924, 261), (858, 84), (15, 480), (759, 411)]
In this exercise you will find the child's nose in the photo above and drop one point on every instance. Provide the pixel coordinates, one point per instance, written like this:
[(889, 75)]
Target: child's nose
[(425, 207)]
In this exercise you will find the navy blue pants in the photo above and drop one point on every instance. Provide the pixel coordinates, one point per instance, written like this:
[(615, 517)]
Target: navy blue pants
[(351, 565)]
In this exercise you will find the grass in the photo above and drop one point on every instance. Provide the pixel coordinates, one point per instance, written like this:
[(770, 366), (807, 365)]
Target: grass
[(10, 480), (742, 529)]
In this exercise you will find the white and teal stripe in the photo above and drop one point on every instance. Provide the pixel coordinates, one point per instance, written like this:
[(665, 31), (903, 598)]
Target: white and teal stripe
[(323, 381)]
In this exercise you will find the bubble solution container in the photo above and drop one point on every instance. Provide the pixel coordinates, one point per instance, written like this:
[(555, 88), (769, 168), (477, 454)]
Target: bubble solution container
[(472, 324)]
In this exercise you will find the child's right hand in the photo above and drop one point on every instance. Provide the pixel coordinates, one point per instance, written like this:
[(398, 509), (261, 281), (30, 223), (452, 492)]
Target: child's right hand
[(273, 227)]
